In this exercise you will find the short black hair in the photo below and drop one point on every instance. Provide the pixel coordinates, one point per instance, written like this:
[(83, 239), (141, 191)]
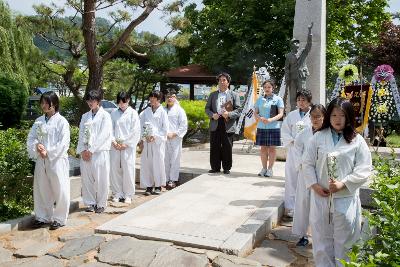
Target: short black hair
[(345, 105), (52, 99), (94, 95), (319, 107), (304, 93), (123, 96), (156, 93), (170, 91), (224, 74)]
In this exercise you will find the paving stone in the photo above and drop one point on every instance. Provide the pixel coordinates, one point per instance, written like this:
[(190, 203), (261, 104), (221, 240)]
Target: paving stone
[(129, 251), (44, 261), (78, 260), (74, 235), (224, 260), (192, 250), (286, 223), (284, 233), (109, 237), (79, 246), (304, 251), (170, 256), (39, 235), (95, 264), (33, 248), (273, 253), (5, 255)]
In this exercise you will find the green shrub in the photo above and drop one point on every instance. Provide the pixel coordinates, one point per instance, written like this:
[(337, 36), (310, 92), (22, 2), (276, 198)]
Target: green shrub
[(15, 167), (74, 136), (13, 101), (198, 120), (383, 249), (69, 108)]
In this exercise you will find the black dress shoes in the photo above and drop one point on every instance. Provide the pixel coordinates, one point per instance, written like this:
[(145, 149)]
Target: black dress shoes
[(227, 171), (213, 171)]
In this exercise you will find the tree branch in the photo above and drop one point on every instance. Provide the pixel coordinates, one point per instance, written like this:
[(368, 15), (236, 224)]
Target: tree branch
[(134, 52), (52, 42), (110, 5), (125, 35)]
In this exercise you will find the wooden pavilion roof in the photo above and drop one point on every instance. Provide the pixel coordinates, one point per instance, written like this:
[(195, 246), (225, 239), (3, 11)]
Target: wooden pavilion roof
[(194, 73)]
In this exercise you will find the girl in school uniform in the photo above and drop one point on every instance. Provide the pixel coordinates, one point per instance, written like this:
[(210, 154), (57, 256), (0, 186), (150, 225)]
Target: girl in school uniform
[(268, 132), (336, 163), (48, 143), (302, 204)]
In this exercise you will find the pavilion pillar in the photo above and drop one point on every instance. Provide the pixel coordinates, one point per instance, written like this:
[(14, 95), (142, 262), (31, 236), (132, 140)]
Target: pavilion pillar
[(191, 93)]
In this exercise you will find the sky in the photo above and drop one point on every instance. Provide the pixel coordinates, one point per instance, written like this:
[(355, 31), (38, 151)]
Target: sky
[(153, 24)]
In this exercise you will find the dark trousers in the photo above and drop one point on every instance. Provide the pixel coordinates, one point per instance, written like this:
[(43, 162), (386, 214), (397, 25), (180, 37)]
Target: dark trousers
[(221, 147)]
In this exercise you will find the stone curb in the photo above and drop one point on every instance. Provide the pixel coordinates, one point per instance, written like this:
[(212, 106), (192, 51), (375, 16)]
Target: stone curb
[(25, 221)]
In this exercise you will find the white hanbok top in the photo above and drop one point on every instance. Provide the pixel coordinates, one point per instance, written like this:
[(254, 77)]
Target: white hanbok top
[(99, 129), (292, 125), (354, 162), (300, 143), (158, 121), (126, 126), (177, 120), (54, 135)]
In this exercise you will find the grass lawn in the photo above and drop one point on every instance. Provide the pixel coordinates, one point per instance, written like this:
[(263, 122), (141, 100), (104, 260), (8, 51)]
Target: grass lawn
[(393, 140)]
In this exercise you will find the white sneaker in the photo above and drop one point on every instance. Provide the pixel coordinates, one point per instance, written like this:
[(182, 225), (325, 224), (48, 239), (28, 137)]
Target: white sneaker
[(269, 173), (262, 172), (115, 199), (128, 200)]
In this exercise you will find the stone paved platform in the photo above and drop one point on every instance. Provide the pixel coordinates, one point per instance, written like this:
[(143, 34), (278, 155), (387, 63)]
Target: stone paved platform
[(229, 213)]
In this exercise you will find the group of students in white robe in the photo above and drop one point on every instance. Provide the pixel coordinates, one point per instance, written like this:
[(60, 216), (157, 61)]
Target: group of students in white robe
[(318, 139), (107, 146)]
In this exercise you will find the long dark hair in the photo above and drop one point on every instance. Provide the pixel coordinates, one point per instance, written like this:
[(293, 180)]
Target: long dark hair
[(349, 130)]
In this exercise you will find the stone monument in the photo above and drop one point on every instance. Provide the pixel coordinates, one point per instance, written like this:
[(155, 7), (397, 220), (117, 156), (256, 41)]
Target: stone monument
[(296, 71), (308, 11)]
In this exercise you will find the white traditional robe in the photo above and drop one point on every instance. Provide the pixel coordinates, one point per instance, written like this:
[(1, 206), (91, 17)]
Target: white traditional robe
[(126, 130), (95, 172), (177, 124), (152, 167), (354, 166), (302, 205), (291, 126), (51, 177)]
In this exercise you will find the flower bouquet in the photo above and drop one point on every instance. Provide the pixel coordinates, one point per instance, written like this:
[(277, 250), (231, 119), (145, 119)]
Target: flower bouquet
[(41, 131), (87, 134), (300, 126), (147, 131), (332, 175)]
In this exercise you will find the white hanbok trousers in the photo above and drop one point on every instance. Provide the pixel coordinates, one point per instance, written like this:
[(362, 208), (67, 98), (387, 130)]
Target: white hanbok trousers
[(122, 175), (290, 179), (331, 241), (173, 152), (51, 185), (152, 169), (95, 179), (302, 208)]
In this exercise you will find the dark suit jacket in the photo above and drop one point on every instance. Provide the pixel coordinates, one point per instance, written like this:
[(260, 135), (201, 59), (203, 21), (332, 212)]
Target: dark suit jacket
[(211, 108)]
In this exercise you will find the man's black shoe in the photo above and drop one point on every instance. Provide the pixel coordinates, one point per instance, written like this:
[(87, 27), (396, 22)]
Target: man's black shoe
[(227, 171), (55, 225), (121, 199), (213, 171), (90, 208), (157, 191)]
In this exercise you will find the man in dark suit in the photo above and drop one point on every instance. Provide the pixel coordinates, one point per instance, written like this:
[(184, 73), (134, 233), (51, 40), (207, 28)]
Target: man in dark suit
[(223, 109)]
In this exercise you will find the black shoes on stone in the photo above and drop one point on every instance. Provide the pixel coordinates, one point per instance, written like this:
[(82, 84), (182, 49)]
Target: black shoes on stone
[(38, 224), (90, 208), (227, 171), (302, 242), (149, 191), (55, 225), (213, 171), (99, 209), (157, 191)]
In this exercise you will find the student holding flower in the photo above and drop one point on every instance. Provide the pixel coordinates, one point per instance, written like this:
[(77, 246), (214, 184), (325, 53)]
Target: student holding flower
[(95, 132), (48, 143), (335, 165), (294, 122), (126, 135), (154, 122)]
